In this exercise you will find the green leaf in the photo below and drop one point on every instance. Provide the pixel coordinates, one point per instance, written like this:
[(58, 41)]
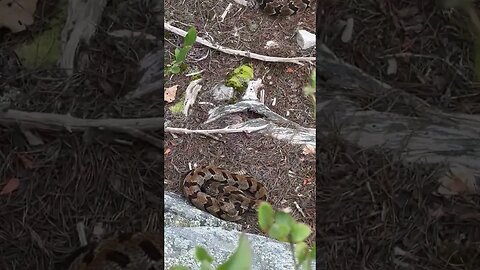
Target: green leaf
[(307, 264), (265, 216), (241, 259), (285, 219), (175, 69), (177, 52), (301, 252), (300, 232), (205, 265), (313, 252), (201, 254), (181, 55), (179, 267), (190, 37), (279, 232)]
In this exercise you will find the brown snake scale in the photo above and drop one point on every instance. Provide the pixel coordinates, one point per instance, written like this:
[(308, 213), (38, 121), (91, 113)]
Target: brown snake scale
[(292, 7), (223, 194), (124, 251)]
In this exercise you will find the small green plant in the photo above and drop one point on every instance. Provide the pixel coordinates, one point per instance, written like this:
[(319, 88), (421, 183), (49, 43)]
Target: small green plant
[(241, 258), (181, 53), (283, 227), (279, 225), (310, 91)]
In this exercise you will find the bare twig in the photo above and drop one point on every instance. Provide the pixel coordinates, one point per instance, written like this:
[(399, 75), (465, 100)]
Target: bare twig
[(294, 60), (140, 135)]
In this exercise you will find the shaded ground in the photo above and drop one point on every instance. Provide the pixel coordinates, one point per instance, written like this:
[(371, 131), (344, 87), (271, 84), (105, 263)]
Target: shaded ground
[(99, 177), (376, 213), (287, 173), (433, 46)]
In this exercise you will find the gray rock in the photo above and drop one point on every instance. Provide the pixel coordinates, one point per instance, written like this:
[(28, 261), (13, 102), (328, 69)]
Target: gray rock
[(186, 227), (220, 243), (179, 213), (222, 92)]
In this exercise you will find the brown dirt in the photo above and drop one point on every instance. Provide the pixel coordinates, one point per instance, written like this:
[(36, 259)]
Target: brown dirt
[(371, 209), (100, 177), (267, 159)]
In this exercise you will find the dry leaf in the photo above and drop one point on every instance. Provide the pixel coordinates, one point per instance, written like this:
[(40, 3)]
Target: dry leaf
[(170, 93), (436, 213), (16, 14), (290, 70), (460, 180), (167, 151), (307, 181), (309, 150), (11, 186), (27, 163)]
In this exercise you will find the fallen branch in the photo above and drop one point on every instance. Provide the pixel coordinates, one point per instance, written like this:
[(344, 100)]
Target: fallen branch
[(277, 126), (51, 121), (303, 136), (214, 131), (250, 102), (294, 60)]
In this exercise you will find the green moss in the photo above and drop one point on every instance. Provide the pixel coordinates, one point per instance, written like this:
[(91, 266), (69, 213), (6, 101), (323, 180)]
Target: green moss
[(196, 77), (239, 78), (178, 107)]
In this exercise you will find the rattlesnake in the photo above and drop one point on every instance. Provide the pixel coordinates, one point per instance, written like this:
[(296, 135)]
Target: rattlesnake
[(126, 251), (222, 193), (292, 7)]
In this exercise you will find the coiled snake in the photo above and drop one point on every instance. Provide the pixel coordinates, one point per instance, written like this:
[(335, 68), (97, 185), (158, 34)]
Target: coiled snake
[(222, 193), (292, 7), (126, 251)]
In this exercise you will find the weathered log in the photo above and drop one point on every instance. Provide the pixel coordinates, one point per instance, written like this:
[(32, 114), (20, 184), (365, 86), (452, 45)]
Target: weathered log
[(419, 134)]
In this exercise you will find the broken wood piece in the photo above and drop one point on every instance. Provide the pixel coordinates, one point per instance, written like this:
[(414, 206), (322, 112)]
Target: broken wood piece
[(83, 18)]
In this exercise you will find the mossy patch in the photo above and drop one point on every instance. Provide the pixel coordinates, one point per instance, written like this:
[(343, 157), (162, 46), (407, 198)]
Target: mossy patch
[(178, 107), (239, 77)]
